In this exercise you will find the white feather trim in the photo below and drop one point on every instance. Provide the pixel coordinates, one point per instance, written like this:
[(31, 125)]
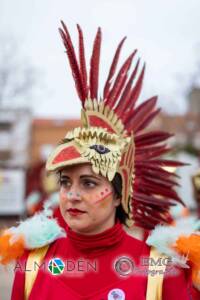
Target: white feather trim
[(164, 238), (38, 231)]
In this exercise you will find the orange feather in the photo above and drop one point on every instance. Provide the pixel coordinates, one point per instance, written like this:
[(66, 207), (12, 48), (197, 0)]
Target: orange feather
[(10, 251), (190, 246)]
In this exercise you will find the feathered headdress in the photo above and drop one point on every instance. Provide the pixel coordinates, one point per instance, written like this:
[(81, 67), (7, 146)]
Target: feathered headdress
[(113, 137)]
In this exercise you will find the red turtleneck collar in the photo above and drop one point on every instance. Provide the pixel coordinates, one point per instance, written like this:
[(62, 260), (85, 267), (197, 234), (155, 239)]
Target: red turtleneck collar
[(98, 243)]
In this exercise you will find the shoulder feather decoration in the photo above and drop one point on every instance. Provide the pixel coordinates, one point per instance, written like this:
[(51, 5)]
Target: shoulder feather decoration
[(35, 232), (181, 242)]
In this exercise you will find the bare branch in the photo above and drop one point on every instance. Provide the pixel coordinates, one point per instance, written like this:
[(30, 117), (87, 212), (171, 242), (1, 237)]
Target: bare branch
[(17, 75)]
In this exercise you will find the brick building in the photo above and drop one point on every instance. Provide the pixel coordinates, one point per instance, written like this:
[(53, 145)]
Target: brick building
[(46, 133), (186, 128)]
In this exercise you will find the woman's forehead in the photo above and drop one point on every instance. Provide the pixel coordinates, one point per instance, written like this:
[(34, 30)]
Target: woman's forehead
[(82, 170)]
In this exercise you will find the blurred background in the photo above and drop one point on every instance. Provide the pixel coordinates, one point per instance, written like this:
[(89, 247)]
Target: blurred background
[(37, 91)]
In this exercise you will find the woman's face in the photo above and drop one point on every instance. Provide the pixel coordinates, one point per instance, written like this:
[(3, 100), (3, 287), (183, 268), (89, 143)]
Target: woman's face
[(87, 201)]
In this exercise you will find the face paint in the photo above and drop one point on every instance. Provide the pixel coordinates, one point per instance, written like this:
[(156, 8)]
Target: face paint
[(97, 200), (72, 195), (88, 198), (103, 198), (103, 195)]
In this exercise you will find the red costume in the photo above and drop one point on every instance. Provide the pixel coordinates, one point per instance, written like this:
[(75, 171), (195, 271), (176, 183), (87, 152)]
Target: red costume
[(104, 249), (114, 142)]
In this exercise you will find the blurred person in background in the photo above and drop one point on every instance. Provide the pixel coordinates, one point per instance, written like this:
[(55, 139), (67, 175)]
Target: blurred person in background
[(38, 187), (42, 191)]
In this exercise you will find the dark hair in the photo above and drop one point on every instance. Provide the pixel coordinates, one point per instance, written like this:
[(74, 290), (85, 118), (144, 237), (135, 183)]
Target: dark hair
[(121, 215)]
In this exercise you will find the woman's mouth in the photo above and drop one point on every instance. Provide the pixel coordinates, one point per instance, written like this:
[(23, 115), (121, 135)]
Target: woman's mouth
[(75, 212)]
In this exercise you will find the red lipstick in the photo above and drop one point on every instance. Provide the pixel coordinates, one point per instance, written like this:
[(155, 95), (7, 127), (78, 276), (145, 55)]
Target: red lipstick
[(75, 212)]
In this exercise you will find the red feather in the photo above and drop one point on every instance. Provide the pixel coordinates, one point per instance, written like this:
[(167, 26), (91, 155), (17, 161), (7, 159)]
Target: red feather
[(167, 183), (151, 153), (119, 81), (157, 189), (149, 217), (112, 69), (152, 200), (126, 93), (167, 163), (72, 61), (135, 93), (154, 169), (149, 174), (136, 117), (82, 62), (163, 181), (146, 150), (147, 120), (151, 138), (94, 66)]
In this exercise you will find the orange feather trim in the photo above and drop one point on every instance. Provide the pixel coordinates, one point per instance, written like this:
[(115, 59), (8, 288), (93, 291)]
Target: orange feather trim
[(10, 251), (189, 246)]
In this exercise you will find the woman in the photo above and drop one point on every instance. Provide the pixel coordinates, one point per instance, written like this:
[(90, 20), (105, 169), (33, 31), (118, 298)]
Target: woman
[(89, 205), (112, 181)]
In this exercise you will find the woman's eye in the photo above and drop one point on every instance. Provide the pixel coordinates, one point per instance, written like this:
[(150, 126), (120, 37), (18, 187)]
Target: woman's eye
[(64, 183), (89, 184), (100, 149)]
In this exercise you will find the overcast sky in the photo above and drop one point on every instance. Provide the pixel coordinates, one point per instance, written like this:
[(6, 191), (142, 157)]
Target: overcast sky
[(166, 33)]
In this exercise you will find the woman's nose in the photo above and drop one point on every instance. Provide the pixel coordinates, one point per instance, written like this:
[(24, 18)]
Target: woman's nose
[(73, 195)]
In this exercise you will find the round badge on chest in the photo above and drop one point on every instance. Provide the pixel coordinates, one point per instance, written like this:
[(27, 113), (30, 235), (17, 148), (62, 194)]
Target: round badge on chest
[(116, 294)]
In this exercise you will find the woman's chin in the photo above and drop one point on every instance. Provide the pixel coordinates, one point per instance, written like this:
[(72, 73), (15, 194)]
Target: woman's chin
[(77, 225)]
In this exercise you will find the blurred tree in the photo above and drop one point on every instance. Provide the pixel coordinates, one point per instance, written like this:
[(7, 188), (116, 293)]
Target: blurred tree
[(17, 75)]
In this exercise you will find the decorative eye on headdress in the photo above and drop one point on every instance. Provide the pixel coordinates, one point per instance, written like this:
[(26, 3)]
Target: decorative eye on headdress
[(100, 149)]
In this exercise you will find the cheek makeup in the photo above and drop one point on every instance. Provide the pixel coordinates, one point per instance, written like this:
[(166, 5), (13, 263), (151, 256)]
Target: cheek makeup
[(95, 199), (101, 196)]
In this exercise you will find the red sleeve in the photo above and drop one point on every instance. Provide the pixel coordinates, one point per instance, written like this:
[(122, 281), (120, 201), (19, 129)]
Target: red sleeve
[(178, 285), (195, 293), (19, 279)]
